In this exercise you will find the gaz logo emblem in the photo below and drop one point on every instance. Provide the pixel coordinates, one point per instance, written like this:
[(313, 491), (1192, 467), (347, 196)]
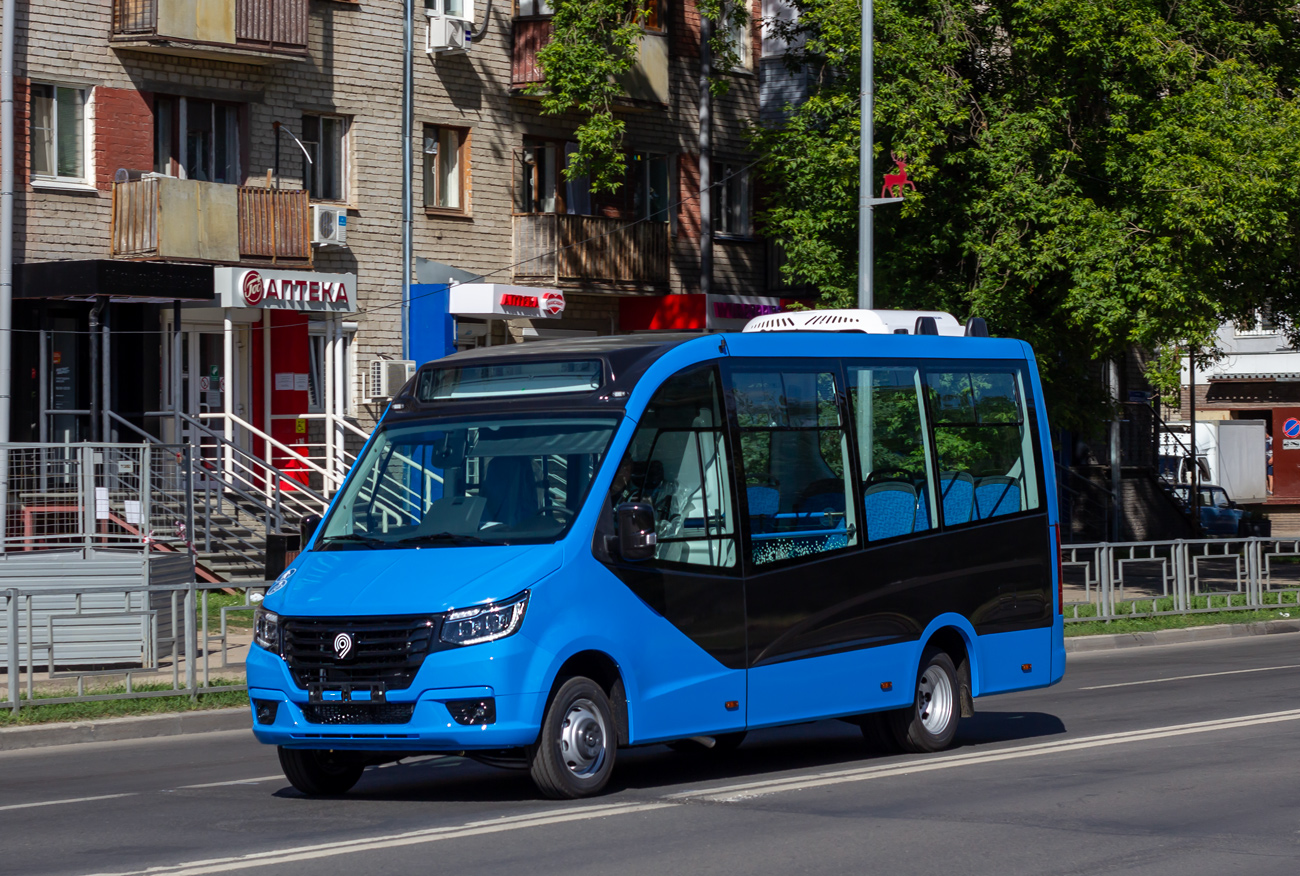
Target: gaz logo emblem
[(342, 646)]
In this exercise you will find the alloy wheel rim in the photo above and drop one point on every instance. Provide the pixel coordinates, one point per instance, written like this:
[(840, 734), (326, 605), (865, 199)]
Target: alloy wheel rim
[(583, 739), (934, 700)]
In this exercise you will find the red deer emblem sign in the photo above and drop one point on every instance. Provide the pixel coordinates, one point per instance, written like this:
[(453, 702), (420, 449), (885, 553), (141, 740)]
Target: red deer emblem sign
[(897, 180)]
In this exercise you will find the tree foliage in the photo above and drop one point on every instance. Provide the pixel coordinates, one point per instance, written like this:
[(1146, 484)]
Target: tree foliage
[(1091, 175), (593, 46)]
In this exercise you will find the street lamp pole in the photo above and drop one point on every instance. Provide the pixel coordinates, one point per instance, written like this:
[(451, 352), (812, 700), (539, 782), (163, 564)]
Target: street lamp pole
[(866, 261)]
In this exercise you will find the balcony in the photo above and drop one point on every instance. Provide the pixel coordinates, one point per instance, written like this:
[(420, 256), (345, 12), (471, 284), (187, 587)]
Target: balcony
[(646, 84), (185, 220), (248, 31), (565, 250)]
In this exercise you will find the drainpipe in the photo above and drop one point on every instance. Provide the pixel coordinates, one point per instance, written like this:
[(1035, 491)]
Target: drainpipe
[(6, 222), (706, 156), (96, 427), (408, 108)]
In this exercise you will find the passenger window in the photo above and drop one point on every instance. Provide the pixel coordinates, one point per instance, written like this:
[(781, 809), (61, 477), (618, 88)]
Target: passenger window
[(985, 446), (794, 454), (898, 496), (677, 462)]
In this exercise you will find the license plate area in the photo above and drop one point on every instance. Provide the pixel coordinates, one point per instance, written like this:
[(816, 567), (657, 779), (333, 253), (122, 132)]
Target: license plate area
[(347, 693)]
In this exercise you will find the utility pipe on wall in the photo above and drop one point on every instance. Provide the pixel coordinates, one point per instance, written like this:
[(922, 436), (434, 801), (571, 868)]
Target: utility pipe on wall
[(6, 222), (408, 109), (706, 156)]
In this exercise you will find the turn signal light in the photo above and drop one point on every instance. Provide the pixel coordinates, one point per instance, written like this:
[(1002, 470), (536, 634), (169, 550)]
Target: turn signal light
[(886, 685), (1026, 667), (733, 705)]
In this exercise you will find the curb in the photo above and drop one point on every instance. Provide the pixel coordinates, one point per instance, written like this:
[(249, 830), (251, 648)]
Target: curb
[(1083, 644), (119, 729)]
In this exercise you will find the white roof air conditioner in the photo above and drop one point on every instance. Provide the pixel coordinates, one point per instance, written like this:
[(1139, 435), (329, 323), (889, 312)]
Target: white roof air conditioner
[(388, 376), (875, 322), (446, 35), (329, 225)]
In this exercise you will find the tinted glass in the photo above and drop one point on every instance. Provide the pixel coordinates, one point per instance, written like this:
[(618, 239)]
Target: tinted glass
[(677, 462), (521, 378), (889, 419), (987, 463), (794, 453)]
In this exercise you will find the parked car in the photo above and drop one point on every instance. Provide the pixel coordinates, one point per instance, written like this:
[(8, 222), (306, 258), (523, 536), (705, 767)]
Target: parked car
[(1220, 516)]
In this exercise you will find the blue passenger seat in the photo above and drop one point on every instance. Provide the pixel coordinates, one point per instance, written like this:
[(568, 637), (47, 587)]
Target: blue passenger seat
[(763, 504), (889, 509), (957, 492), (996, 495)]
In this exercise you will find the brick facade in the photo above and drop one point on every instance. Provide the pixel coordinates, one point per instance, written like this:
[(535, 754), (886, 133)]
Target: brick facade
[(354, 69)]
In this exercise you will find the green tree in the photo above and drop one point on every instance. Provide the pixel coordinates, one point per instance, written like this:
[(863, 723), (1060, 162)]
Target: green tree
[(593, 46), (1091, 175)]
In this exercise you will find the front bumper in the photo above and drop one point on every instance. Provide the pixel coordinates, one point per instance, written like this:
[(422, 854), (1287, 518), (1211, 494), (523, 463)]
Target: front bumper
[(495, 670)]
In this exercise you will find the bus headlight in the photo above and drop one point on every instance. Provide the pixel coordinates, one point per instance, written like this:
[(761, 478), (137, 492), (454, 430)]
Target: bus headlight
[(484, 623), (266, 630)]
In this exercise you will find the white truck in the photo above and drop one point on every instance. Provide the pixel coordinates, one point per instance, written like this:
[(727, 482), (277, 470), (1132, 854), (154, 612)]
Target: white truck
[(1231, 453)]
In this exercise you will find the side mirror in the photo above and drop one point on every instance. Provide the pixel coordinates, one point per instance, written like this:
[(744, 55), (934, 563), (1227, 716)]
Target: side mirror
[(636, 531), (307, 527)]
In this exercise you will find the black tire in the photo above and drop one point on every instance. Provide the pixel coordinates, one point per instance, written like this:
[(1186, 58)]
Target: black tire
[(931, 723), (321, 773), (723, 743), (574, 754)]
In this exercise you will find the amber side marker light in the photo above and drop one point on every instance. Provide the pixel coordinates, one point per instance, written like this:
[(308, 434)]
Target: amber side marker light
[(1026, 667), (886, 685), (732, 705)]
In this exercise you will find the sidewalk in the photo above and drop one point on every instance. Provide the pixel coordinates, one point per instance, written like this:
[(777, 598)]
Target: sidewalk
[(1080, 644)]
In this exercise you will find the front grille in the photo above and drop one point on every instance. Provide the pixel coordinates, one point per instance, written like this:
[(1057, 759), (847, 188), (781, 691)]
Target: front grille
[(386, 651), (358, 713)]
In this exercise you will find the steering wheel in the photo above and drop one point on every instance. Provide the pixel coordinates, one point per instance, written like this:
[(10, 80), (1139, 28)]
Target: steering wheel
[(877, 475)]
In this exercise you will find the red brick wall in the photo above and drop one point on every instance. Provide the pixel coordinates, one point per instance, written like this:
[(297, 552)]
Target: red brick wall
[(684, 22), (123, 133), (688, 193), (22, 126)]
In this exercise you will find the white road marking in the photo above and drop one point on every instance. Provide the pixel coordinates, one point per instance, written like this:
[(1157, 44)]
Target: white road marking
[(731, 793), (416, 837), (722, 794), (61, 802), (233, 782), (1186, 677)]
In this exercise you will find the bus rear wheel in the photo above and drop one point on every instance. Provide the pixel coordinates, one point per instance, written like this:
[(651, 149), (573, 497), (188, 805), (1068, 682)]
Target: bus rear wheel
[(574, 754), (318, 773), (931, 723)]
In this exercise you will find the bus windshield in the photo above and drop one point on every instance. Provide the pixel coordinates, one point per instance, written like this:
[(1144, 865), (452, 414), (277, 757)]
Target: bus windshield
[(457, 482)]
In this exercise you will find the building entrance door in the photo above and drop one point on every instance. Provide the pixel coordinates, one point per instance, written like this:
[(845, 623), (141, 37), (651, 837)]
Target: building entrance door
[(212, 383)]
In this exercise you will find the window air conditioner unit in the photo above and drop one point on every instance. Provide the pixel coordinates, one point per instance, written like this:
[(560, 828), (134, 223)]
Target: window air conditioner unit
[(329, 225), (446, 35), (388, 376)]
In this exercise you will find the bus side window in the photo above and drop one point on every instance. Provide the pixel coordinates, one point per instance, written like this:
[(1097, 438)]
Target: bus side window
[(794, 452), (982, 438), (898, 495), (677, 462)]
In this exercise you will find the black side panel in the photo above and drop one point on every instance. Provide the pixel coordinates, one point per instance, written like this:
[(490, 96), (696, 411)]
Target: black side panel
[(997, 574), (708, 608)]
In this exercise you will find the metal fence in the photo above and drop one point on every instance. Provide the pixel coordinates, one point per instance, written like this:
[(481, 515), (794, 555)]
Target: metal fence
[(181, 642), (59, 496), (1148, 579)]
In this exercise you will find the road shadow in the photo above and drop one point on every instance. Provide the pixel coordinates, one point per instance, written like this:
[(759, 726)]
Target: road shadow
[(819, 745)]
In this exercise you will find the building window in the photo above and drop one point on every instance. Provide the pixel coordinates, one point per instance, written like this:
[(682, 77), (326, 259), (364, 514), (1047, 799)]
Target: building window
[(317, 365), (1263, 323), (731, 201), (537, 175), (197, 139), (446, 164), (649, 183), (534, 7), (326, 140), (738, 39), (58, 132)]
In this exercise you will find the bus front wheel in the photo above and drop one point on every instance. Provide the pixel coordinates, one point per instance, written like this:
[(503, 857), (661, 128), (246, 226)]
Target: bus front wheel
[(321, 772), (931, 723), (574, 754)]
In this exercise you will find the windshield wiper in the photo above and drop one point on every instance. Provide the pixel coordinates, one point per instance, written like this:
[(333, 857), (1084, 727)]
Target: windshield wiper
[(443, 538), (354, 538)]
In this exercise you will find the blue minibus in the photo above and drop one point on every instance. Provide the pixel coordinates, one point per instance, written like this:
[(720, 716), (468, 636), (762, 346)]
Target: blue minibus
[(550, 551)]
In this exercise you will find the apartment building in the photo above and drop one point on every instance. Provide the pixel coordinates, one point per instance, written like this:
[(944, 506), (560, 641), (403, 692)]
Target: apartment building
[(209, 207)]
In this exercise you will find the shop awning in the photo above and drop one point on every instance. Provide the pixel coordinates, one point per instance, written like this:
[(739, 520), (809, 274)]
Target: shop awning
[(499, 301), (140, 282)]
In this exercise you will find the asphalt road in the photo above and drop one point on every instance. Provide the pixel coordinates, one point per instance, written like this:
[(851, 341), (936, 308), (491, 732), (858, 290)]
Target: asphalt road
[(1127, 766)]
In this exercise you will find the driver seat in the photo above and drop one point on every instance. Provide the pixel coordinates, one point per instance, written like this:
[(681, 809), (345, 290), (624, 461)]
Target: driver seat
[(510, 491)]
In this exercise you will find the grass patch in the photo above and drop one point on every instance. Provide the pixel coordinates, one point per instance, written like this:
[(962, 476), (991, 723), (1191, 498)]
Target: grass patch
[(33, 712), (1285, 600), (235, 620)]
